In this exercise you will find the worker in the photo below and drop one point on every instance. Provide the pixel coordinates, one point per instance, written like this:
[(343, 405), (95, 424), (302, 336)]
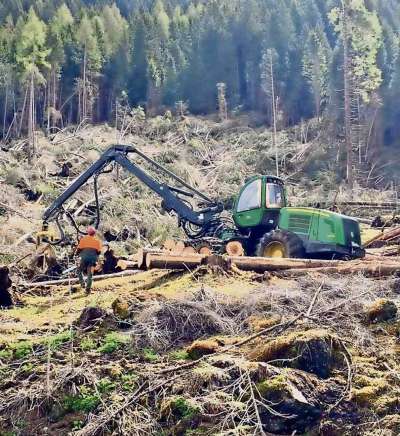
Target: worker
[(89, 249)]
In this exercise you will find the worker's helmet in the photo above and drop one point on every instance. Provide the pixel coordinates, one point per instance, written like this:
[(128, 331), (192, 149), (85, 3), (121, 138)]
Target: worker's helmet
[(91, 231)]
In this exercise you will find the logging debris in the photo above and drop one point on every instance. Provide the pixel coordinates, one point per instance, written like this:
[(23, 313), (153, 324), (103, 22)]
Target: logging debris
[(186, 359)]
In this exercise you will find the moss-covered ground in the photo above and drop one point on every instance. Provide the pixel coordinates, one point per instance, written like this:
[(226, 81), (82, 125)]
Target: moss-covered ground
[(322, 372)]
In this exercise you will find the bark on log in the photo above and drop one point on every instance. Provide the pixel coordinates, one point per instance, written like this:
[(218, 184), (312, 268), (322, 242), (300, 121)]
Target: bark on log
[(263, 264), (364, 204), (126, 264), (384, 236), (364, 221), (222, 262), (173, 261), (375, 269), (392, 234)]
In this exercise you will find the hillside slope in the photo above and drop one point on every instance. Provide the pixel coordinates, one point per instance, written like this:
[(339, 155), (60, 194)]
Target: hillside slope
[(205, 352), (216, 158)]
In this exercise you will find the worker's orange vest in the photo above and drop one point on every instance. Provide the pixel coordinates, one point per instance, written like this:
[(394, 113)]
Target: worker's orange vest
[(90, 242)]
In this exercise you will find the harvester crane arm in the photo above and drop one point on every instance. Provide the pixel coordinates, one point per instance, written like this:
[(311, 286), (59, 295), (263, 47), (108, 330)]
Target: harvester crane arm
[(118, 154)]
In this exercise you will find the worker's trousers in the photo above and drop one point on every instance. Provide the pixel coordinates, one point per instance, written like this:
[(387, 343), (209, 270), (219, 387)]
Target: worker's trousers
[(87, 264), (89, 279)]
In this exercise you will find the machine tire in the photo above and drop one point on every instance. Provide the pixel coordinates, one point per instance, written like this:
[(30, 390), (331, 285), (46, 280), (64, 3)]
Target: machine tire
[(289, 242)]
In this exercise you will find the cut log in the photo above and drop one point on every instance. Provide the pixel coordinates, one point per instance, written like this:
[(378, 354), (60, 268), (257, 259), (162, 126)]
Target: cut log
[(263, 264), (173, 261), (205, 251), (169, 245), (384, 236), (235, 249), (189, 250), (364, 221), (392, 234), (126, 264), (364, 204), (74, 281), (142, 254)]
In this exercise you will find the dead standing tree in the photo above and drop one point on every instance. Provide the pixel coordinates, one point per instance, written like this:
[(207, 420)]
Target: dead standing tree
[(181, 109), (222, 104), (268, 85), (347, 94)]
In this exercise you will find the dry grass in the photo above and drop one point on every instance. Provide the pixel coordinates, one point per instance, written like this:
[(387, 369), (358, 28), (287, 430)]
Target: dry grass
[(164, 325)]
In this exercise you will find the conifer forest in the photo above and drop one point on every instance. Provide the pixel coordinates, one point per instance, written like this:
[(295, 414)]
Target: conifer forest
[(73, 61)]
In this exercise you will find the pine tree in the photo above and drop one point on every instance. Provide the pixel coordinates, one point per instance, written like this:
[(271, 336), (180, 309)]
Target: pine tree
[(158, 55), (91, 63), (316, 62), (113, 79), (60, 34), (32, 59), (7, 69), (139, 74)]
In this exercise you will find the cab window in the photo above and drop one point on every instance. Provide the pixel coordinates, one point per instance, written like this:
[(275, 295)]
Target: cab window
[(275, 198), (251, 197)]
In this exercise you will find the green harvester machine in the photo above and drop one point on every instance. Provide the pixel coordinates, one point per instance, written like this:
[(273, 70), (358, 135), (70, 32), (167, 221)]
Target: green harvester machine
[(261, 222), (272, 229)]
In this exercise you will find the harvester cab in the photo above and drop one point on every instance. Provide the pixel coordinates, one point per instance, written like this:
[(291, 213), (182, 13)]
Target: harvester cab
[(259, 203), (272, 229)]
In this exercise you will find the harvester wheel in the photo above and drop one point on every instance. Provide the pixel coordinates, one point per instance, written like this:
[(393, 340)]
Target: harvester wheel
[(280, 244)]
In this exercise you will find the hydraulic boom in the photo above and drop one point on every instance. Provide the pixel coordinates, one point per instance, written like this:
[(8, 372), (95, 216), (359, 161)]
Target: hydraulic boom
[(203, 220)]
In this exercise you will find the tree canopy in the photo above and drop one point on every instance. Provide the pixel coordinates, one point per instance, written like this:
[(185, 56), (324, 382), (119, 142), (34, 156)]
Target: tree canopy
[(159, 52)]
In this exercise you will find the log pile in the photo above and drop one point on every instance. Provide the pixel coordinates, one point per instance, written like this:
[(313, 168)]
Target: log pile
[(263, 264), (157, 259), (187, 261)]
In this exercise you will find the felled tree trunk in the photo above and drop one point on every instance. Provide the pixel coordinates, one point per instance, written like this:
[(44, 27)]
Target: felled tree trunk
[(142, 254), (172, 261), (371, 269), (261, 264), (234, 248)]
